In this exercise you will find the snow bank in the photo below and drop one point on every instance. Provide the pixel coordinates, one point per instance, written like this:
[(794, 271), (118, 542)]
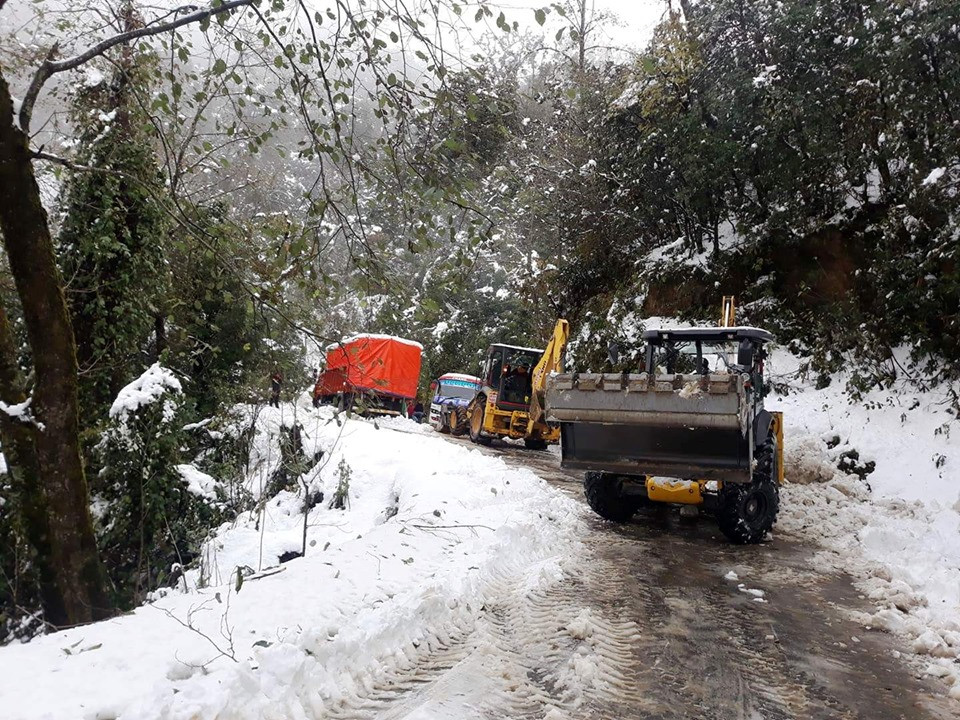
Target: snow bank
[(402, 424), (432, 527), (906, 433), (897, 529)]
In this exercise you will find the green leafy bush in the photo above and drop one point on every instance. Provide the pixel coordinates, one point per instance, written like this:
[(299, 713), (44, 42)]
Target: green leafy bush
[(150, 518)]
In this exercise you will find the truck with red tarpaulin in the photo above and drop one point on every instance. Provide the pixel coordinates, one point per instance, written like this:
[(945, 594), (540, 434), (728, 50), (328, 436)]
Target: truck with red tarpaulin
[(378, 374)]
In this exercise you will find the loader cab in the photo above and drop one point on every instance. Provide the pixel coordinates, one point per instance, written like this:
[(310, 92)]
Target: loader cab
[(508, 371), (707, 351)]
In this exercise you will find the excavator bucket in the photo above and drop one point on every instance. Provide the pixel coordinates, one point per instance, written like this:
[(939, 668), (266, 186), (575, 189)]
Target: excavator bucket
[(680, 426)]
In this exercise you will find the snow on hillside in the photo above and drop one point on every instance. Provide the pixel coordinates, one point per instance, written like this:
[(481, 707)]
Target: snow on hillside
[(430, 529), (897, 530)]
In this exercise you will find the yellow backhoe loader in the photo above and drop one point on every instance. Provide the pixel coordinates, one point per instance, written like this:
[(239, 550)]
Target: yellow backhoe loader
[(511, 401), (689, 429)]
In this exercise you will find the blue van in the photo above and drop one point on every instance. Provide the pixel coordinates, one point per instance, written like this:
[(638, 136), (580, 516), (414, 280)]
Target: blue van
[(452, 393)]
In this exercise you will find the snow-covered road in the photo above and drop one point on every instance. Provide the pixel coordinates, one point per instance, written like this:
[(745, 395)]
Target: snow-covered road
[(735, 632), (469, 582)]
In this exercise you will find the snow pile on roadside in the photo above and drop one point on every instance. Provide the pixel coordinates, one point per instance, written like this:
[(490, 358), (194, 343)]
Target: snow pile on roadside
[(892, 519), (401, 424), (431, 528)]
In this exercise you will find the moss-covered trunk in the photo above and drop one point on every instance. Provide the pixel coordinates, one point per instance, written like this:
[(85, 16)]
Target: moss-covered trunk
[(20, 451), (79, 576)]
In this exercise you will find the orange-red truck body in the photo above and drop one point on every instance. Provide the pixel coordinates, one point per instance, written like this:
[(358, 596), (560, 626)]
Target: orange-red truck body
[(378, 364)]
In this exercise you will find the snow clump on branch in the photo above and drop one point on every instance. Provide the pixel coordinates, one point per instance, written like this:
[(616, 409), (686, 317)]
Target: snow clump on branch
[(147, 389)]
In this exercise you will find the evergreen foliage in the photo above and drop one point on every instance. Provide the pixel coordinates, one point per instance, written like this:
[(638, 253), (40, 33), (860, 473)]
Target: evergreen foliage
[(226, 344), (149, 521), (804, 156), (111, 244)]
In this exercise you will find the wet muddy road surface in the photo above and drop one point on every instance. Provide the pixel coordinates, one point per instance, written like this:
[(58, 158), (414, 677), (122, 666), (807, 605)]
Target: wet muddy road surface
[(652, 626)]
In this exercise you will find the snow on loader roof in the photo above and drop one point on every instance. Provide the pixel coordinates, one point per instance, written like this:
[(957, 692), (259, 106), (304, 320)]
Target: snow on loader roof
[(718, 333)]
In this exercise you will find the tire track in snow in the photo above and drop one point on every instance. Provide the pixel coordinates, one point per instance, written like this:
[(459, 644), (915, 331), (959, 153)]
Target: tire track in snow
[(705, 650), (533, 646), (708, 651)]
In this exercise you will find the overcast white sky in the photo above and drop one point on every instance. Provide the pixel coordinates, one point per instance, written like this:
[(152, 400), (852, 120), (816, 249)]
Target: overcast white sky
[(637, 18)]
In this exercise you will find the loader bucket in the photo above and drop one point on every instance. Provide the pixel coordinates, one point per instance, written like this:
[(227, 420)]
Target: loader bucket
[(681, 426)]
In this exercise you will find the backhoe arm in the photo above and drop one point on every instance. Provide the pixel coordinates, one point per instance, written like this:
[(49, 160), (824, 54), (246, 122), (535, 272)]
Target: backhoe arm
[(552, 361)]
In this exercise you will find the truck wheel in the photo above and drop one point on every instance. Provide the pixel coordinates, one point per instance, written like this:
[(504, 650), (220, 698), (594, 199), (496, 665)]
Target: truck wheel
[(747, 511), (442, 425), (533, 443), (476, 423), (605, 497), (458, 421)]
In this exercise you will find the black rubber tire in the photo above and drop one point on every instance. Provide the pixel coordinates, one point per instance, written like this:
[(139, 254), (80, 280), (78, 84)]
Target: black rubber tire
[(747, 511), (605, 497), (532, 443), (476, 422), (444, 426), (458, 421)]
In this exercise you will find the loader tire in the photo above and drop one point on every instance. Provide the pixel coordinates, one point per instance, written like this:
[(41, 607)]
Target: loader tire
[(748, 511), (459, 424), (605, 497), (476, 423), (532, 443)]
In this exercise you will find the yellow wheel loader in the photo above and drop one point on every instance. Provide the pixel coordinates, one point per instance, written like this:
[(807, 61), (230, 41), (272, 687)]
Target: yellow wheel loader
[(690, 429), (510, 403)]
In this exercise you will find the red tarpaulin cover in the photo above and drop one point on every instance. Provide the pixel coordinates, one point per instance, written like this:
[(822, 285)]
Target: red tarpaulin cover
[(378, 363)]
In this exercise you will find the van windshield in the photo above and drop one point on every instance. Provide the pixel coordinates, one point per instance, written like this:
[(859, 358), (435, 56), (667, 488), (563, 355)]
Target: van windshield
[(457, 389)]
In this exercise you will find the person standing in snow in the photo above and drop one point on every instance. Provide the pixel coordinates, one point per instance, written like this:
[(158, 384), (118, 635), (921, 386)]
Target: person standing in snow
[(276, 383)]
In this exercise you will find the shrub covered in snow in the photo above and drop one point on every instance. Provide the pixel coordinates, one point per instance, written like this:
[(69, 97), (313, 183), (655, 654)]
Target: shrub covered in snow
[(152, 511)]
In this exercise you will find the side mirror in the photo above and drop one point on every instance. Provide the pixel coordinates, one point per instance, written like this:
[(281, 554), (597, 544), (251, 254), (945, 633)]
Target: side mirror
[(745, 354), (613, 352)]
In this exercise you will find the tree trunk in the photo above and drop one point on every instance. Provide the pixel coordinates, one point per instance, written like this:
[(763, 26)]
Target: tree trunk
[(20, 452), (160, 334), (582, 39), (79, 576)]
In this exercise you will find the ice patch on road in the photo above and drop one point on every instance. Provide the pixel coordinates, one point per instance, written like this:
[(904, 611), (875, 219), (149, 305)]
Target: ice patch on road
[(582, 626)]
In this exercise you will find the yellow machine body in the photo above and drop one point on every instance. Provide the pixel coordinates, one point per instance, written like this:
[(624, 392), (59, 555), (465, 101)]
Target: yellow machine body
[(530, 423), (776, 427), (685, 492), (515, 424)]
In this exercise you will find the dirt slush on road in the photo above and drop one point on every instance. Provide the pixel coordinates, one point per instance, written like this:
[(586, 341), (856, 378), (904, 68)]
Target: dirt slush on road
[(725, 631)]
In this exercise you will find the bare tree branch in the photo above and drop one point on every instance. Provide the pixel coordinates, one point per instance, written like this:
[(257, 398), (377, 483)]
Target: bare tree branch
[(51, 67)]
